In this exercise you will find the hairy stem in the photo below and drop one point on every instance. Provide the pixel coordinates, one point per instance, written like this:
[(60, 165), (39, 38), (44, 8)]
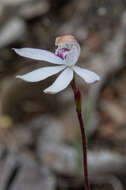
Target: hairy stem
[(77, 98)]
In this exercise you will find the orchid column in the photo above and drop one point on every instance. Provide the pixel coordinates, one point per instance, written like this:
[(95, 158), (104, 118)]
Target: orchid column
[(66, 57)]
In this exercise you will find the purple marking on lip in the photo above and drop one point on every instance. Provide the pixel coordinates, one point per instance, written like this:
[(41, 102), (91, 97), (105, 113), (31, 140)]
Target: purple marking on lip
[(61, 53)]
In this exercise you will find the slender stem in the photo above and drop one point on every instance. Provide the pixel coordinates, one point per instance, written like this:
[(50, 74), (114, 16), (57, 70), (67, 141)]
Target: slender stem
[(84, 150), (77, 97)]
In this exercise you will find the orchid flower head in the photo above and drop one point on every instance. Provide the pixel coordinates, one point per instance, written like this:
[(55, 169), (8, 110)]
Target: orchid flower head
[(66, 56)]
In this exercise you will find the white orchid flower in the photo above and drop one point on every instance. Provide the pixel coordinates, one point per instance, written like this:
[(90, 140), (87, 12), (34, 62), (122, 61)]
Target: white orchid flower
[(66, 57)]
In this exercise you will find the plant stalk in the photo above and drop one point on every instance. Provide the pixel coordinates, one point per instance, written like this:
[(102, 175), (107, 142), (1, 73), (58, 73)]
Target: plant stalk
[(77, 98)]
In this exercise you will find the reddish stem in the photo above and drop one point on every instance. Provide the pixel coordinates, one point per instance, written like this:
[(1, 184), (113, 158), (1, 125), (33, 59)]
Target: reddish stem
[(77, 97)]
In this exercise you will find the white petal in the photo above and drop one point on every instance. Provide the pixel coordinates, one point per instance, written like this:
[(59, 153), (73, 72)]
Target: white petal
[(87, 75), (41, 74), (38, 54), (62, 81)]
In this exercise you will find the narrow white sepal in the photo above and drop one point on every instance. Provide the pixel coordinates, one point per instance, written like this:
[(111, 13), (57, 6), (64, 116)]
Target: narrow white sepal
[(62, 81), (38, 54), (41, 74), (87, 75)]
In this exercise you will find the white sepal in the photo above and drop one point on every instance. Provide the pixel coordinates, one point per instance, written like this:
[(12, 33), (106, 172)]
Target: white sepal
[(62, 81), (87, 75), (41, 74), (38, 54)]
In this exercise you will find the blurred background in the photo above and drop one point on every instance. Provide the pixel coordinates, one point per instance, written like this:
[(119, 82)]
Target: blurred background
[(40, 144)]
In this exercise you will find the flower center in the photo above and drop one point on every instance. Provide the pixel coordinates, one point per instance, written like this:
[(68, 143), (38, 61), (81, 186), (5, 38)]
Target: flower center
[(69, 52)]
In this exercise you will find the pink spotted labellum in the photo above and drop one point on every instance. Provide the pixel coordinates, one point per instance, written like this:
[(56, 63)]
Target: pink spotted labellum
[(66, 57)]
